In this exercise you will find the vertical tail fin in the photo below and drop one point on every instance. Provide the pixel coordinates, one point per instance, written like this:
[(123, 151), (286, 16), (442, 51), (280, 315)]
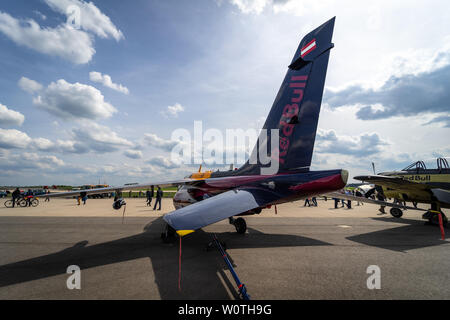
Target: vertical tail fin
[(295, 111)]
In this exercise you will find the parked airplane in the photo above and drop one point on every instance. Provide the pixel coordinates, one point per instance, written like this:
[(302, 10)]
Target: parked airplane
[(209, 197), (418, 184)]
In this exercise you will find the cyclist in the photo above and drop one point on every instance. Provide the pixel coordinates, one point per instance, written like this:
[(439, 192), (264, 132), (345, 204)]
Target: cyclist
[(15, 196), (29, 197)]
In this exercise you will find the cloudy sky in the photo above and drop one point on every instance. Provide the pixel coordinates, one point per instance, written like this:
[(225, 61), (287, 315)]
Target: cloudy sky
[(97, 98)]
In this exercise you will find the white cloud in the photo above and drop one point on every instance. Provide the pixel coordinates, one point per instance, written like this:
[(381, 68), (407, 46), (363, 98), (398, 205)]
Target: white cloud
[(10, 117), (99, 138), (173, 111), (89, 137), (13, 139), (160, 143), (29, 85), (63, 41), (107, 81), (73, 101), (91, 18), (133, 154), (40, 15), (31, 160), (163, 162), (43, 144), (251, 6), (362, 145)]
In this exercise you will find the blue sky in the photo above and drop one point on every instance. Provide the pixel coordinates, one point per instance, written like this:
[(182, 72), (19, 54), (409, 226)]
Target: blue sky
[(100, 102)]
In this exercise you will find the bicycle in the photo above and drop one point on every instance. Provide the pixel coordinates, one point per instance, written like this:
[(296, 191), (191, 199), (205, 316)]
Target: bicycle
[(34, 201), (22, 202)]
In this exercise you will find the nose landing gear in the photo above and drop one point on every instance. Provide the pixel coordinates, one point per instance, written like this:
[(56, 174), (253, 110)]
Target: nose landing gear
[(239, 224), (168, 235)]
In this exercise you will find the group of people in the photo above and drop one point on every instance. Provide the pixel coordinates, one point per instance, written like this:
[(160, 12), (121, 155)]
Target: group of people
[(82, 197), (312, 200), (17, 195), (151, 193)]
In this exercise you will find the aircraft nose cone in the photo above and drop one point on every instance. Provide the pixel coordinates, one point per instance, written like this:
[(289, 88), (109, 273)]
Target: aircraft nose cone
[(344, 176)]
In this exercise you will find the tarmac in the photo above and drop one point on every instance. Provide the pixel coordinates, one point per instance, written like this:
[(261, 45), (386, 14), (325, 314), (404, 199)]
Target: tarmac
[(298, 253)]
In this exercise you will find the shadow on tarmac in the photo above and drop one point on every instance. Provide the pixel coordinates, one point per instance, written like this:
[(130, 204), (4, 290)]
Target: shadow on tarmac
[(203, 273), (413, 235)]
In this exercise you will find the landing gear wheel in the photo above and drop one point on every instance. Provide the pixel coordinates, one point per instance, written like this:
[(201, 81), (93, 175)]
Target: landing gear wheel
[(240, 225), (168, 235), (435, 219), (396, 212)]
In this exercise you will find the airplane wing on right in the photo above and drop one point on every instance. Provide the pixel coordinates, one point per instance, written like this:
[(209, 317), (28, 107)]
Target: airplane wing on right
[(394, 182), (339, 195)]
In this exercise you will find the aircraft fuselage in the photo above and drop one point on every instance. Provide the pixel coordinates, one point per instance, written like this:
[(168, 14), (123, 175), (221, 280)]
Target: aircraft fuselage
[(284, 187)]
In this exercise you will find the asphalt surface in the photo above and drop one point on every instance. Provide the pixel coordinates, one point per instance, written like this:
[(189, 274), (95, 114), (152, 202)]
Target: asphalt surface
[(278, 258)]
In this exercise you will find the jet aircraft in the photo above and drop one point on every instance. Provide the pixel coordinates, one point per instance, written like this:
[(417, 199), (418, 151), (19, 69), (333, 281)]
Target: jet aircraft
[(205, 198)]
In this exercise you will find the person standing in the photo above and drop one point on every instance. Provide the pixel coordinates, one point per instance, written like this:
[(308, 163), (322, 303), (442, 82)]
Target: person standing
[(314, 201), (47, 198), (159, 195), (359, 194), (83, 196), (149, 198), (29, 197), (15, 196), (307, 202), (336, 201)]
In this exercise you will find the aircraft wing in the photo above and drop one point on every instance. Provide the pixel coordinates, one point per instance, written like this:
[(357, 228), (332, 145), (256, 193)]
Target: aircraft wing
[(394, 182), (121, 188), (219, 207), (339, 195)]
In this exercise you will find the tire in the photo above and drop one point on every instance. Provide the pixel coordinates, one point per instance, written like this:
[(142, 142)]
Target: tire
[(396, 212), (9, 203), (435, 220), (240, 225), (34, 202), (22, 203)]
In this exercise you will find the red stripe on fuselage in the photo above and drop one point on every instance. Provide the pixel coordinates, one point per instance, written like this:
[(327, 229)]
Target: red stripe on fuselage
[(326, 184)]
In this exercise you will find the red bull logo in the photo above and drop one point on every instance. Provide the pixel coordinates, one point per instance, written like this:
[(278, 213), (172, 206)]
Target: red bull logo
[(290, 112)]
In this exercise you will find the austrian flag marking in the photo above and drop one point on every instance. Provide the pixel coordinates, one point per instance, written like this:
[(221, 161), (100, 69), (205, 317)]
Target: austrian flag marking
[(308, 48)]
